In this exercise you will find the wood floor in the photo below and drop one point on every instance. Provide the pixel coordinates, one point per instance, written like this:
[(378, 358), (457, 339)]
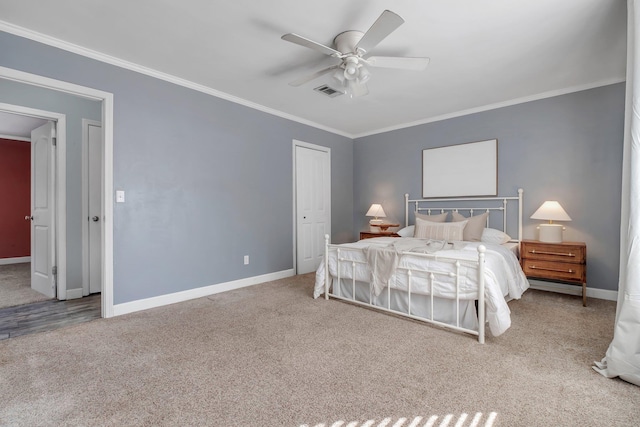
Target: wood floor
[(47, 315)]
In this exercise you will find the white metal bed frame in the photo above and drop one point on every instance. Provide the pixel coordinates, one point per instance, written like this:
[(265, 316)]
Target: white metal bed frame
[(479, 264), (503, 209)]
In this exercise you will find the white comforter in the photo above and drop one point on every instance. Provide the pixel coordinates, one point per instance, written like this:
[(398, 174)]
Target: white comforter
[(504, 279)]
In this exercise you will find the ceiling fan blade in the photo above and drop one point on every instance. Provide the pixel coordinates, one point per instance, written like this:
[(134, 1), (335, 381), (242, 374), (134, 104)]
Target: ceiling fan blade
[(305, 79), (302, 41), (384, 25), (403, 63)]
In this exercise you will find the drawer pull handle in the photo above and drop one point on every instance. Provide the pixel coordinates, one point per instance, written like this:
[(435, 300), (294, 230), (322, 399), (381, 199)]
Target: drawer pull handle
[(533, 267), (533, 251)]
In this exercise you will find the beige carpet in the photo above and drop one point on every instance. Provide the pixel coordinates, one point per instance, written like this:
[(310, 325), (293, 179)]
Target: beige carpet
[(270, 355), (15, 286)]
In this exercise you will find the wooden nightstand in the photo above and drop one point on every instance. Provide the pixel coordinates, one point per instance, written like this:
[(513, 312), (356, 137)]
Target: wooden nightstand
[(370, 234), (560, 262)]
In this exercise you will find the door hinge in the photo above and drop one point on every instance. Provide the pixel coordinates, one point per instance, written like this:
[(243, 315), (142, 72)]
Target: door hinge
[(54, 270), (54, 134)]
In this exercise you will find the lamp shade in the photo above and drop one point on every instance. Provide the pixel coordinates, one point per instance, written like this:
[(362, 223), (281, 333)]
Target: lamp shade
[(551, 211), (376, 211)]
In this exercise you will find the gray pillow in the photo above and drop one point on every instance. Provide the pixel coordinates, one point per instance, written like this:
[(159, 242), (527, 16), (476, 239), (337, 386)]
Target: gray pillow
[(433, 218), (475, 226)]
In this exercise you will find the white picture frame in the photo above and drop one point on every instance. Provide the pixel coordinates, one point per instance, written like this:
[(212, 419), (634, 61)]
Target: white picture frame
[(463, 170)]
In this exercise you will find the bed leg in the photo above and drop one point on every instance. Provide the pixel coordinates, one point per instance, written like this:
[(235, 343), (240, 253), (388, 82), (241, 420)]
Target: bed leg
[(326, 266), (481, 307)]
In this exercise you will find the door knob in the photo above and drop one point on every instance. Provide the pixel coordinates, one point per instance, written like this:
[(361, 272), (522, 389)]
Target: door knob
[(28, 218), (95, 219)]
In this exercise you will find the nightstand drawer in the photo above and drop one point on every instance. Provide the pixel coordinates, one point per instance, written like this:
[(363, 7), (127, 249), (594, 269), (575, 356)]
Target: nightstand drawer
[(554, 270), (554, 252)]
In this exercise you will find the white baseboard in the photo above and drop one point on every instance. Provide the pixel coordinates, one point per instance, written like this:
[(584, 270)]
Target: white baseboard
[(73, 293), (18, 260), (564, 288), (159, 301)]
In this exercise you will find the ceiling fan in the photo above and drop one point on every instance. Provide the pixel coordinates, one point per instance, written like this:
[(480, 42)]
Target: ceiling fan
[(352, 48)]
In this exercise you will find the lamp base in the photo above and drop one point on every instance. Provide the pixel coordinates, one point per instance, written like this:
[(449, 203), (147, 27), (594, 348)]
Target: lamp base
[(550, 233)]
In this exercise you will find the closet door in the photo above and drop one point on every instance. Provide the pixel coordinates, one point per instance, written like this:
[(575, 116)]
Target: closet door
[(313, 205)]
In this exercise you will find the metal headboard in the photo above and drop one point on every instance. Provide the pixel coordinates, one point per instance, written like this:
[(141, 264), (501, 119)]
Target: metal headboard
[(454, 205)]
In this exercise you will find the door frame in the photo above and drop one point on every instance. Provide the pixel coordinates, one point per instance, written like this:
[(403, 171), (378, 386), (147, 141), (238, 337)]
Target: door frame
[(327, 151), (85, 202), (107, 166), (59, 163)]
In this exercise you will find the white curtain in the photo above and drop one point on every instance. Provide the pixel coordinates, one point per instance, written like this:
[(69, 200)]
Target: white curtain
[(623, 356)]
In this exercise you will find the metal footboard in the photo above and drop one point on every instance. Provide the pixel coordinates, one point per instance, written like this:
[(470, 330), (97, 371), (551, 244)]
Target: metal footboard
[(346, 269)]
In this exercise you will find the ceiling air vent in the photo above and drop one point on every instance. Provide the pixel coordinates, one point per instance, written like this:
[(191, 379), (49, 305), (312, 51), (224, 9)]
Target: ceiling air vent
[(328, 90)]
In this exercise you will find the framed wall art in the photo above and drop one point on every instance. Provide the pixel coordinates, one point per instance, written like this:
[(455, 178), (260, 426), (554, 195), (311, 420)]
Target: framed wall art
[(461, 170)]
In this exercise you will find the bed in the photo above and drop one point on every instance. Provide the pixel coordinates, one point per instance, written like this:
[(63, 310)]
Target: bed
[(436, 272)]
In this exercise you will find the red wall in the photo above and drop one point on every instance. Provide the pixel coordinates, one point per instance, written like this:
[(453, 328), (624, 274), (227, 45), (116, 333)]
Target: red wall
[(15, 198)]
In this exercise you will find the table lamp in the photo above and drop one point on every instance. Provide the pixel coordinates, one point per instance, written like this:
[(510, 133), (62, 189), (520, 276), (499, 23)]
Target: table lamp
[(375, 211), (551, 211)]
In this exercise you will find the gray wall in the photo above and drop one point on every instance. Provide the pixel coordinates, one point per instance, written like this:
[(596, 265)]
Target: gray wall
[(75, 110), (566, 148), (207, 181)]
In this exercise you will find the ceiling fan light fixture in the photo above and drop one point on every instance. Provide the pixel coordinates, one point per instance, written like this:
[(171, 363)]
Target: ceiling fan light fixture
[(338, 77), (350, 74), (356, 89), (351, 69), (364, 75)]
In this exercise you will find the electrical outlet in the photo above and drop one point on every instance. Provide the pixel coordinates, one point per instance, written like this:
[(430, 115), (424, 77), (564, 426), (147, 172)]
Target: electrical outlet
[(246, 259)]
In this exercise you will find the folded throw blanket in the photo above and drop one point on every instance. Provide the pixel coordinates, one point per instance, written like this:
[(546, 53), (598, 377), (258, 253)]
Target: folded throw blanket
[(383, 261)]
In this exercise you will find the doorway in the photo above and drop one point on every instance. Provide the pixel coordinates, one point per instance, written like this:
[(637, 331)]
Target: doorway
[(28, 186), (312, 204), (106, 257), (15, 212), (31, 255)]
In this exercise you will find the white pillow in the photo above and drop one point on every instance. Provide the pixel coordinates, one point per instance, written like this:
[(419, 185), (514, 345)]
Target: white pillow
[(491, 235), (407, 231), (451, 231)]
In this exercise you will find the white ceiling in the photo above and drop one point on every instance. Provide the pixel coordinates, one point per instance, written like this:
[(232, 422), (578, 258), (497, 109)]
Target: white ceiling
[(483, 53), (15, 125)]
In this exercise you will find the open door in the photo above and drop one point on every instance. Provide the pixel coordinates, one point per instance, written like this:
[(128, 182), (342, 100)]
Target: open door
[(43, 268)]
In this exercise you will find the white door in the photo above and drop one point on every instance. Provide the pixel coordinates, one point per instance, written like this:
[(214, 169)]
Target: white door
[(313, 206), (94, 198), (43, 210)]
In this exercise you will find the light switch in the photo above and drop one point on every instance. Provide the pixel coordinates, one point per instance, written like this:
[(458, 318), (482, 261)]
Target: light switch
[(119, 196)]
